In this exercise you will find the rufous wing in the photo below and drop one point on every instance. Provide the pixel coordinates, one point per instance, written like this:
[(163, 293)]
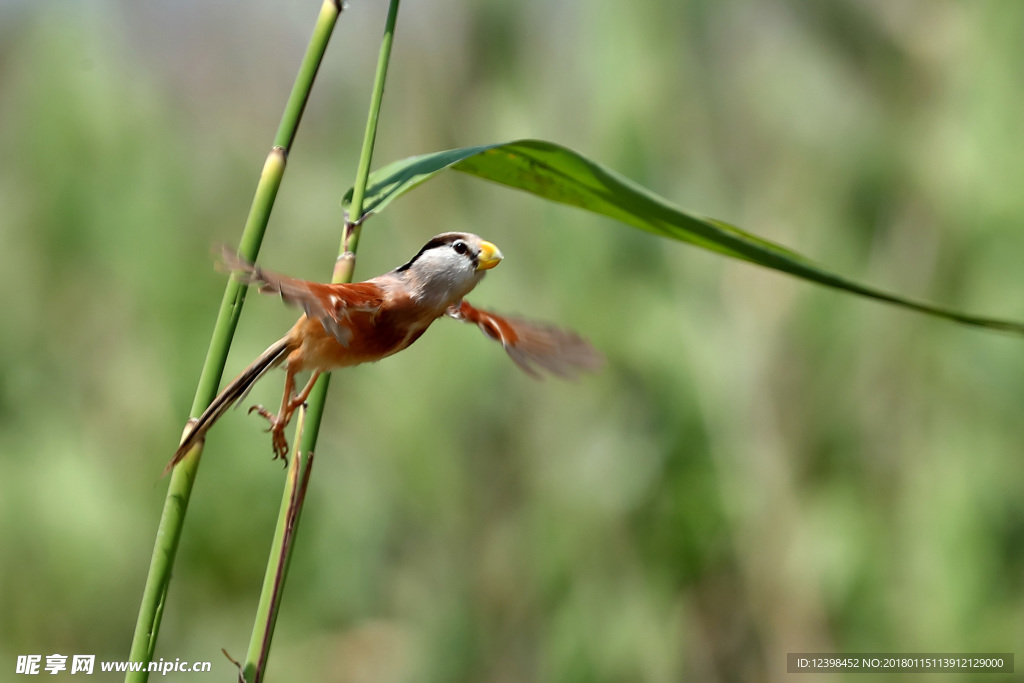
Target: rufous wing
[(534, 346), (328, 303)]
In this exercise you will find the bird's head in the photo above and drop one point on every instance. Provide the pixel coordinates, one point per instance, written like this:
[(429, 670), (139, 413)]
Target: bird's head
[(449, 266)]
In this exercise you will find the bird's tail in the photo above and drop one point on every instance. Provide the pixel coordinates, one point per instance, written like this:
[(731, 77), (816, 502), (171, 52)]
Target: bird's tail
[(232, 393)]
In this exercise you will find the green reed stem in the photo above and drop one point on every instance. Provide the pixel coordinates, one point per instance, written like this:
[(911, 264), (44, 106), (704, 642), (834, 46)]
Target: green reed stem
[(172, 518), (308, 422)]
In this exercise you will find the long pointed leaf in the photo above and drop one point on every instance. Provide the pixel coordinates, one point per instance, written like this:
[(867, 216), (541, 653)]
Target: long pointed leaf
[(561, 175)]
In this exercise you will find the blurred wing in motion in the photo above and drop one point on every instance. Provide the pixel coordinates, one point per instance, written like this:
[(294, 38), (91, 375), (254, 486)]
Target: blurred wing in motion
[(532, 345), (330, 304)]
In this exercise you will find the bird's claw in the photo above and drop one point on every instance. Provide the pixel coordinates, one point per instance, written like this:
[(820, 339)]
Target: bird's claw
[(276, 429), (262, 412), (280, 444)]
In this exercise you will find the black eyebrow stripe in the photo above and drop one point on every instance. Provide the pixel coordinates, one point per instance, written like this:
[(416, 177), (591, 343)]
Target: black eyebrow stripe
[(432, 244)]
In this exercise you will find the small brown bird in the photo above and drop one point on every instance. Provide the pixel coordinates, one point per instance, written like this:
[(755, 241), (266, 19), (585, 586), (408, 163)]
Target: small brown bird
[(349, 324)]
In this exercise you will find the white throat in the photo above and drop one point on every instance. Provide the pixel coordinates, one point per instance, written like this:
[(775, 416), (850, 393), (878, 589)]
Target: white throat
[(438, 281)]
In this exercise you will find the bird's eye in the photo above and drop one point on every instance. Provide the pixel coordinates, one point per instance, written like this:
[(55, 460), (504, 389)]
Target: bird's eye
[(460, 247)]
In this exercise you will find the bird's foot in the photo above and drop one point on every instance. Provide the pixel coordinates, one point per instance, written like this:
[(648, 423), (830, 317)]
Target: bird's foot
[(264, 413), (280, 444), (276, 429)]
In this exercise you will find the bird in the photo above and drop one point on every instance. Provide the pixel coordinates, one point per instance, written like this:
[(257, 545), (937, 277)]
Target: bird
[(349, 324)]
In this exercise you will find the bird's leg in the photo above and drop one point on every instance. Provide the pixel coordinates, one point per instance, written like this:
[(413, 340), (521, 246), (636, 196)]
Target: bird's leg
[(280, 421), (300, 399)]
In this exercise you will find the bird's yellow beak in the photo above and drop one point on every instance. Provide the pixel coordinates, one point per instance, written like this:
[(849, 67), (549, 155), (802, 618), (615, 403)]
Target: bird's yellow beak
[(489, 257)]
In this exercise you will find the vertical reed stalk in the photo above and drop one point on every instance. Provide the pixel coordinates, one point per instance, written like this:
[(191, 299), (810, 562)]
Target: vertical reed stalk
[(176, 503), (308, 424)]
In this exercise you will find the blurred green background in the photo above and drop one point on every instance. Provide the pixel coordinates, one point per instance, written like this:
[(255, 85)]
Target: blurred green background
[(763, 467)]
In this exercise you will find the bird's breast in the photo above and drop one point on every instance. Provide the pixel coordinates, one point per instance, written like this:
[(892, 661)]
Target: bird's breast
[(374, 336)]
